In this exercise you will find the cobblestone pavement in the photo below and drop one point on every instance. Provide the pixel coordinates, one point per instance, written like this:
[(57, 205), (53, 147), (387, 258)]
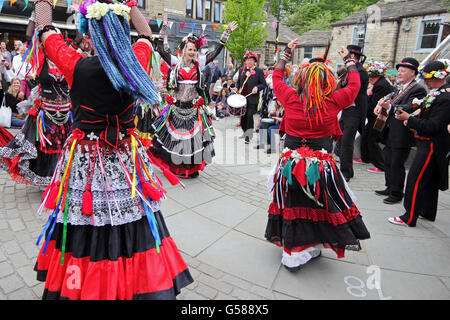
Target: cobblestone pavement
[(218, 223)]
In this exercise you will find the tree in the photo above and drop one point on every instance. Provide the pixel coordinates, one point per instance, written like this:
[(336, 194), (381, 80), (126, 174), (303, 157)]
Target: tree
[(305, 15), (252, 30)]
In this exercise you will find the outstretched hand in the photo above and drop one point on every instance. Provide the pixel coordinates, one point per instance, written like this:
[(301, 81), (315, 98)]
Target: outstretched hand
[(343, 52), (293, 44), (232, 26)]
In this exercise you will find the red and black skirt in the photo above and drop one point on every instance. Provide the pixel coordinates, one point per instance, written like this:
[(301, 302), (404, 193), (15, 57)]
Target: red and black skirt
[(145, 116), (312, 204), (31, 156), (106, 239), (183, 138)]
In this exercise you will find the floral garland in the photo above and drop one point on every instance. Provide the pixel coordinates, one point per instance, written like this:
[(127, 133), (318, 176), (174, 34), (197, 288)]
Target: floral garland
[(96, 10), (375, 68), (428, 100), (438, 74)]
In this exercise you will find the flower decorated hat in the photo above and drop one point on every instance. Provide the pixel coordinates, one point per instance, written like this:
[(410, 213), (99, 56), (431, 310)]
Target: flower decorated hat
[(93, 9), (439, 69), (375, 68)]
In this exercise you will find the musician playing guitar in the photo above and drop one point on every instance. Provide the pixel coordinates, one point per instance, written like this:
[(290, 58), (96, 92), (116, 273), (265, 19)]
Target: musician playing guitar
[(250, 83), (398, 138)]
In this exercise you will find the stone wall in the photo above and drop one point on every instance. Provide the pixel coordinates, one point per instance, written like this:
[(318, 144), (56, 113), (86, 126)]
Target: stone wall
[(381, 40)]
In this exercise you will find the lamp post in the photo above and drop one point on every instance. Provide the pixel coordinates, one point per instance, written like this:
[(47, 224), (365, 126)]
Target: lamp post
[(363, 23), (277, 31)]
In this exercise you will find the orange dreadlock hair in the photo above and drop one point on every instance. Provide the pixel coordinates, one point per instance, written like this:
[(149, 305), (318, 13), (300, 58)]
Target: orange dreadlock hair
[(314, 83)]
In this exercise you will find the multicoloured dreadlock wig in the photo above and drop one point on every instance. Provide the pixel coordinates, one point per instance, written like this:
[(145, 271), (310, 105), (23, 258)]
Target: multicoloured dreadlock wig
[(314, 83), (109, 29)]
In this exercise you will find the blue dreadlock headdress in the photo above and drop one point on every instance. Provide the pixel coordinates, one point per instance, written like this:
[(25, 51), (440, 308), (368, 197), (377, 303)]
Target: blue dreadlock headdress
[(110, 34)]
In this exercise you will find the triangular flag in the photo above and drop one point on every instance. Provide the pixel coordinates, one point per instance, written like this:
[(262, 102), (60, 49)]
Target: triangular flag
[(214, 27), (147, 19), (170, 24), (181, 25), (203, 26), (11, 2), (159, 22), (192, 26), (225, 26), (273, 24), (1, 5)]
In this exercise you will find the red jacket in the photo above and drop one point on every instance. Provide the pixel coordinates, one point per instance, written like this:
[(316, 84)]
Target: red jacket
[(295, 121)]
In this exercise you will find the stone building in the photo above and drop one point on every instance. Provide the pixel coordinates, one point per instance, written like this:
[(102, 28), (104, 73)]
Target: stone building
[(395, 29), (313, 43)]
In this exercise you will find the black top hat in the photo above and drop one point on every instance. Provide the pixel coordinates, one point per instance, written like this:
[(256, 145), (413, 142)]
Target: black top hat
[(410, 63), (357, 50)]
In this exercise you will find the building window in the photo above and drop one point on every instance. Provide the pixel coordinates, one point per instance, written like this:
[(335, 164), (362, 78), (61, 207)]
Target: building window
[(141, 4), (208, 10), (216, 11), (223, 13), (358, 36), (199, 9), (307, 52), (189, 10), (429, 34)]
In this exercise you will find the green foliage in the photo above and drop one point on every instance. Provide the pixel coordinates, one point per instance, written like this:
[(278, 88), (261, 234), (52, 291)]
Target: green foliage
[(251, 32), (305, 15)]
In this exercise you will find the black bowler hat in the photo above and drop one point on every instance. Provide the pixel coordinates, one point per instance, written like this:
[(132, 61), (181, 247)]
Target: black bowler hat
[(410, 63), (432, 69)]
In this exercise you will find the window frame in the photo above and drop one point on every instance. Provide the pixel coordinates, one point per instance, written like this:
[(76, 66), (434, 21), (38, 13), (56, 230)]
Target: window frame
[(419, 34), (304, 52), (199, 15), (217, 4), (190, 15), (210, 11)]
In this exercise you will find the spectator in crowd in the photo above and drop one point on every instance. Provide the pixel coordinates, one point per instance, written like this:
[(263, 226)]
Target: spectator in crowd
[(5, 54), (17, 45), (229, 71), (215, 71), (21, 70), (11, 100), (268, 125), (218, 86), (393, 79), (206, 81), (229, 84), (221, 103)]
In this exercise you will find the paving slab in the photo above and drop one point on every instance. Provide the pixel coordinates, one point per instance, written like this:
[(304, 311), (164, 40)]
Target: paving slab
[(252, 259), (192, 232), (195, 194), (226, 210), (410, 254)]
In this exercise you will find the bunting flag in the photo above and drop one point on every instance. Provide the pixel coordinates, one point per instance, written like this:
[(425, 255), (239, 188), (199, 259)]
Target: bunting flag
[(170, 24), (159, 22), (147, 19), (203, 26), (192, 26), (11, 2), (1, 4), (181, 25), (214, 27), (274, 24)]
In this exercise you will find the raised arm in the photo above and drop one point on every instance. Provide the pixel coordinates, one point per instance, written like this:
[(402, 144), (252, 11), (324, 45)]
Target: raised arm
[(55, 47), (210, 56)]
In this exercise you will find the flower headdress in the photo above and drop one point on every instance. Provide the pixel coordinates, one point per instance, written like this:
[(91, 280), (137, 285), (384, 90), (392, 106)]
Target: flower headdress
[(375, 68), (199, 42), (92, 9), (441, 69)]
